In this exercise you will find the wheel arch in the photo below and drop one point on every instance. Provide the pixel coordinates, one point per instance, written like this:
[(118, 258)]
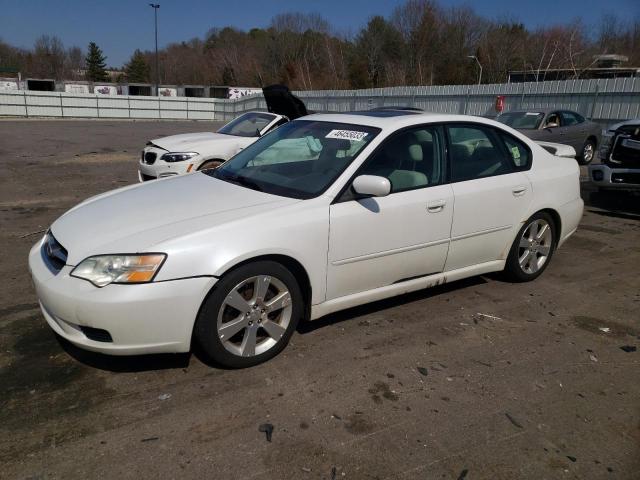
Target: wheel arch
[(594, 139), (557, 221), (212, 159), (293, 265)]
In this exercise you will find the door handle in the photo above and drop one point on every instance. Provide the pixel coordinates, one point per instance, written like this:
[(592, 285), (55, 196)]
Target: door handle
[(519, 190), (436, 206)]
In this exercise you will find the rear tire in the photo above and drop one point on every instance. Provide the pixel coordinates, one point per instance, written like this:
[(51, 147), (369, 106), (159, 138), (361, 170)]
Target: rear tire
[(532, 248), (588, 153), (250, 315)]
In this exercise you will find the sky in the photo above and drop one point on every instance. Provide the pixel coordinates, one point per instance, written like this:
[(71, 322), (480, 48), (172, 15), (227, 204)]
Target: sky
[(121, 26)]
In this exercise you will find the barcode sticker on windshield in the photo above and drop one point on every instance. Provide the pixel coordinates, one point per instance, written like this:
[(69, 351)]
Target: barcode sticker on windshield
[(347, 135), (532, 113)]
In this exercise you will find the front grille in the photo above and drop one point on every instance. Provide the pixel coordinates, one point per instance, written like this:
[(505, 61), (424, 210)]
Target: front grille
[(626, 177), (146, 178), (625, 152), (54, 254), (149, 158), (96, 334)]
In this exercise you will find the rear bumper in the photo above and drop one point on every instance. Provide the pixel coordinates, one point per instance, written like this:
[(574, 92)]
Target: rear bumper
[(604, 176), (157, 317), (570, 216)]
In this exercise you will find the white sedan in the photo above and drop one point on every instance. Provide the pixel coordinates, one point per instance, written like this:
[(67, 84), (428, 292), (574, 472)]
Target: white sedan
[(325, 213), (190, 152)]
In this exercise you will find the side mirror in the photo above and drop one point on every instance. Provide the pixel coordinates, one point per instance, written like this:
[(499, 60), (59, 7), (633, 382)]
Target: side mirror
[(372, 186)]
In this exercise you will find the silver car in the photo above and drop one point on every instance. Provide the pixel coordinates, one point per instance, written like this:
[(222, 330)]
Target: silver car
[(557, 126)]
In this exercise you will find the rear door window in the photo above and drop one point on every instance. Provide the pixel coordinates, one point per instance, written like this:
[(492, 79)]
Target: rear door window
[(571, 118), (477, 152)]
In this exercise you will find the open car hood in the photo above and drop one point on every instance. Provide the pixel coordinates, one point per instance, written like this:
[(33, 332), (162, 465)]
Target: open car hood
[(281, 101)]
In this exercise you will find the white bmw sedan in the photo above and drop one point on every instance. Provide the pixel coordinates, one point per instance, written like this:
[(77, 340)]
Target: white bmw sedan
[(190, 152), (325, 213)]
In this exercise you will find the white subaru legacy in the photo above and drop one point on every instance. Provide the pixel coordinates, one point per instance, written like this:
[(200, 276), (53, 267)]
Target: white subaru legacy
[(325, 213)]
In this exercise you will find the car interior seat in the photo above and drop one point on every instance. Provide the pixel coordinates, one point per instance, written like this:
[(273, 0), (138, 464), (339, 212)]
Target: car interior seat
[(329, 160), (401, 162)]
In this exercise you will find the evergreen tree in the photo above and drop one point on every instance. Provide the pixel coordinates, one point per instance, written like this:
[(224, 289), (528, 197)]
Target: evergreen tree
[(137, 69), (95, 63)]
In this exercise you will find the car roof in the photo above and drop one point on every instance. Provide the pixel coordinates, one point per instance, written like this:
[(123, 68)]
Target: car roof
[(395, 120), (545, 110)]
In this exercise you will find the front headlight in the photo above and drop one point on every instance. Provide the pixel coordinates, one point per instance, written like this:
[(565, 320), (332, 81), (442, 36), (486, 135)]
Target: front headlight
[(177, 156), (101, 270)]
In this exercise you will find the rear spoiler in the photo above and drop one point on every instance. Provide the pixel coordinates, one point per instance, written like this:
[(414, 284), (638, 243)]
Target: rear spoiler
[(558, 149)]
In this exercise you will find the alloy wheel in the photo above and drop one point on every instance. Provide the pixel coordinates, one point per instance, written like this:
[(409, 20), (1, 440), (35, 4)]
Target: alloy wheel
[(587, 152), (535, 246), (254, 316)]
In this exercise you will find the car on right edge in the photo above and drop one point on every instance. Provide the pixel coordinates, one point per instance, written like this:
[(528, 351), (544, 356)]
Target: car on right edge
[(620, 157)]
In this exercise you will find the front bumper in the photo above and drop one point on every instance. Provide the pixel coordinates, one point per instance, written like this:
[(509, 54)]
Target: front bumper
[(156, 317), (602, 175)]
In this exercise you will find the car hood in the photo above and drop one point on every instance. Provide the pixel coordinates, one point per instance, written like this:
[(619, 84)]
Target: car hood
[(193, 142), (616, 126), (135, 218), (281, 101)]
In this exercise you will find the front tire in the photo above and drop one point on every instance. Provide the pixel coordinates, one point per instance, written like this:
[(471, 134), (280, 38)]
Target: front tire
[(532, 249), (250, 315), (210, 165)]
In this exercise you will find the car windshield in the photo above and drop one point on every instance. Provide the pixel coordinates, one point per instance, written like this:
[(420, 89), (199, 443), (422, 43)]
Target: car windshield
[(301, 159), (525, 120), (248, 125)]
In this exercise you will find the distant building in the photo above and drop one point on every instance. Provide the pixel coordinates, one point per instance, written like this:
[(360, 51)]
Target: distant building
[(603, 66)]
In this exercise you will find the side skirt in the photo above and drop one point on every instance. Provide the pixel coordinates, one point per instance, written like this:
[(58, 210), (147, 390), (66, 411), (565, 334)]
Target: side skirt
[(380, 293)]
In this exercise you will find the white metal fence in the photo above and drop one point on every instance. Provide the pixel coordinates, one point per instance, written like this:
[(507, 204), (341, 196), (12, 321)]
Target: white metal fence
[(604, 101), (61, 104)]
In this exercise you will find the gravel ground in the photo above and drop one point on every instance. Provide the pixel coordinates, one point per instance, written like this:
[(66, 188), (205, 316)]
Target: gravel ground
[(479, 379)]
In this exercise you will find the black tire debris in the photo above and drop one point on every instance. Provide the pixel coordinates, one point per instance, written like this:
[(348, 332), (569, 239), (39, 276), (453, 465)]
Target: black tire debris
[(266, 428), (513, 421)]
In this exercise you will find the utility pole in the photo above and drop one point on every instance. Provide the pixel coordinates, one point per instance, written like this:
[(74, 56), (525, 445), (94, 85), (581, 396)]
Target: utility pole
[(480, 65), (155, 7)]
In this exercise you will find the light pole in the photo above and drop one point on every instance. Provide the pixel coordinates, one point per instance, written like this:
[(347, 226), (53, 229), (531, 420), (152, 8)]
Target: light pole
[(155, 7), (480, 65)]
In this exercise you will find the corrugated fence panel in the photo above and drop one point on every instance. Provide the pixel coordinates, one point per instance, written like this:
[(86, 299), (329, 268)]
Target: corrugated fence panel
[(13, 104), (603, 100), (44, 104)]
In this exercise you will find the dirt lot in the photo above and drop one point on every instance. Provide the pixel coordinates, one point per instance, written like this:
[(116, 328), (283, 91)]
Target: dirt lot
[(515, 381)]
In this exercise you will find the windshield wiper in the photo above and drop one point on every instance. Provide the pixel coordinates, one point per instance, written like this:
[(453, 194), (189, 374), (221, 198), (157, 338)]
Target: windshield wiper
[(238, 180)]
